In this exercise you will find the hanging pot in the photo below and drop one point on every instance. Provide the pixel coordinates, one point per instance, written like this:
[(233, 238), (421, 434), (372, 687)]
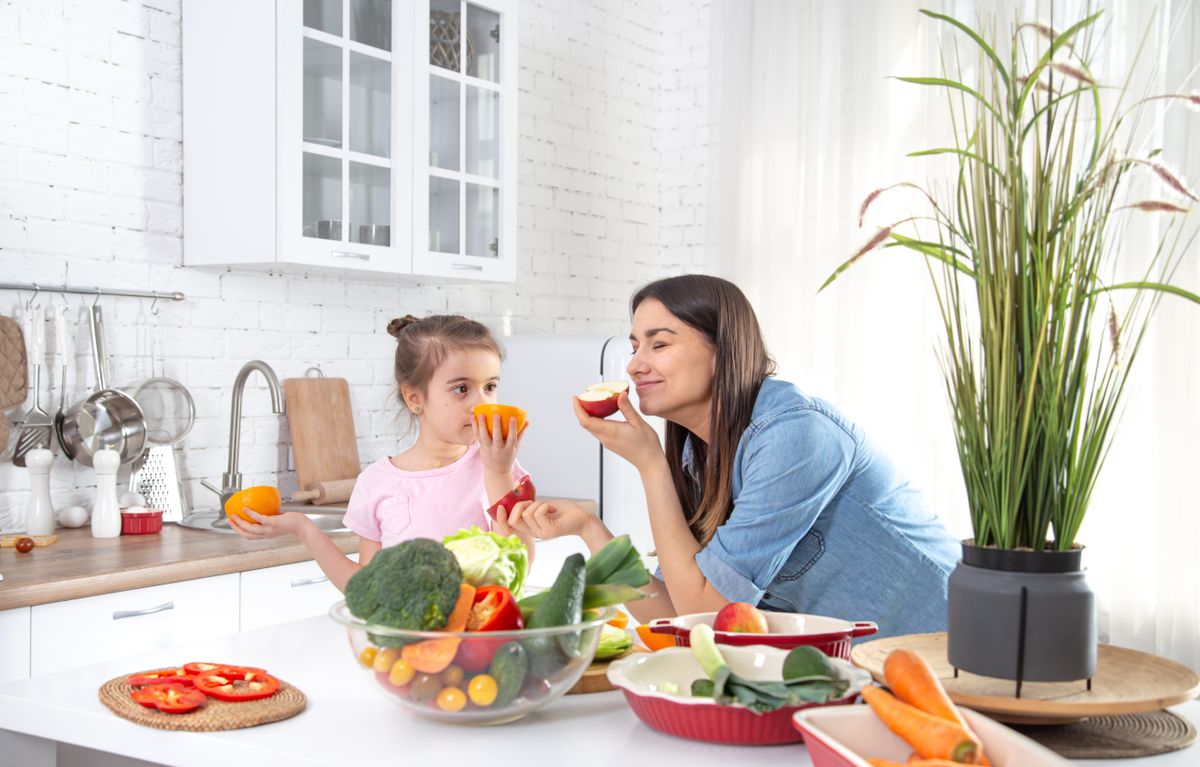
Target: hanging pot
[(1021, 614), (108, 418)]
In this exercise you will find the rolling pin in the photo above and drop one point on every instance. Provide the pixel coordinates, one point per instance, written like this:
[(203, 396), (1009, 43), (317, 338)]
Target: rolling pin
[(331, 491)]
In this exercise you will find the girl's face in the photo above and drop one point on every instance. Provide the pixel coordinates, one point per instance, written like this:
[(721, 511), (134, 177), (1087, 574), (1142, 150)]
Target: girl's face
[(465, 379), (672, 367)]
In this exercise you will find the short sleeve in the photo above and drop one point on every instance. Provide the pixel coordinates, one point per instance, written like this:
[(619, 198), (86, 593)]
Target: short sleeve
[(792, 468), (518, 472), (361, 516)]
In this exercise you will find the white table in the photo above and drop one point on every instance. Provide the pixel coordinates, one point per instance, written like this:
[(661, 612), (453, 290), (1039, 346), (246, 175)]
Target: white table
[(349, 722)]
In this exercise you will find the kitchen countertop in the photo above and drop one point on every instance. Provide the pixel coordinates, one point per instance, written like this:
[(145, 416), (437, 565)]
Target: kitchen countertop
[(79, 565), (350, 722)]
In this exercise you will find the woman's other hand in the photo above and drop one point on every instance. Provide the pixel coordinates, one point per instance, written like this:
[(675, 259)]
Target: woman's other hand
[(634, 440), (544, 520)]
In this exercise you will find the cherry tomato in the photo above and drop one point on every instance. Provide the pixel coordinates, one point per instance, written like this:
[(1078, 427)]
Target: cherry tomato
[(367, 656), (451, 699), (401, 673), (482, 690), (24, 545), (425, 687), (452, 676)]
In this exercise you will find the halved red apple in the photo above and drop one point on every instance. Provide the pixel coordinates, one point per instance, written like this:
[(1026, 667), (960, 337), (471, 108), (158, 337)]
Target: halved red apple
[(522, 491), (600, 400)]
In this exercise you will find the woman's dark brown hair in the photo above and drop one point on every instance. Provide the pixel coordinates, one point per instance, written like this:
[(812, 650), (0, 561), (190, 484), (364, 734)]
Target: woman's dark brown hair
[(720, 311), (423, 344)]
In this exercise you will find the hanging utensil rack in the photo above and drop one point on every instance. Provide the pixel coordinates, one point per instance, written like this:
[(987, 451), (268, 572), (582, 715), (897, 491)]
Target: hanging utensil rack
[(96, 291)]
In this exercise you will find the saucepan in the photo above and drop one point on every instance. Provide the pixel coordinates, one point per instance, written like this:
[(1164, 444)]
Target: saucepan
[(108, 418)]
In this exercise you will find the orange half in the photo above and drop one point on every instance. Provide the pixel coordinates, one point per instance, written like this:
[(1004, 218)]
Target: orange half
[(489, 409), (263, 499)]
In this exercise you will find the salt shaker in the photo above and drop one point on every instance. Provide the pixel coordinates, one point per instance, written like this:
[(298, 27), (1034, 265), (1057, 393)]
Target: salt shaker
[(39, 514), (106, 515)]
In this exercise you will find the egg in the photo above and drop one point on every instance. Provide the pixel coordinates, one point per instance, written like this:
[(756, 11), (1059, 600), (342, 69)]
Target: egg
[(73, 516)]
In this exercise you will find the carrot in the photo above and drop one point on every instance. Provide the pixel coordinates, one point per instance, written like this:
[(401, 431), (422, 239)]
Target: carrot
[(912, 680), (931, 736), (432, 656)]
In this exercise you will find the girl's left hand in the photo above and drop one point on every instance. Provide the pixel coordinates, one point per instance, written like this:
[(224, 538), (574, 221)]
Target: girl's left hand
[(499, 453)]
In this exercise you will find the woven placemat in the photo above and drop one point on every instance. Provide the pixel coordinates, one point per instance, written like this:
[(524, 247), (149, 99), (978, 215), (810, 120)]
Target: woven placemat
[(214, 715), (1114, 737)]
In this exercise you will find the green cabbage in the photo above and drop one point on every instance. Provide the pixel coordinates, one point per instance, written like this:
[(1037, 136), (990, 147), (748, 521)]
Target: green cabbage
[(489, 559), (613, 642)]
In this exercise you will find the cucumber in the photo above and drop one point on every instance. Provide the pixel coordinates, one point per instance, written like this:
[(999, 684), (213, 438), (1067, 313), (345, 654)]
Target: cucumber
[(562, 606), (509, 666)]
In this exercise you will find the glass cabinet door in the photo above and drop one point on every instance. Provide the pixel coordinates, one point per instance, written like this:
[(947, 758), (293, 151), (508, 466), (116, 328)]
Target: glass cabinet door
[(347, 107), (468, 88)]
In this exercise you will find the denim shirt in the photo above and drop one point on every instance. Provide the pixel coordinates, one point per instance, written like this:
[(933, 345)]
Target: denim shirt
[(823, 524)]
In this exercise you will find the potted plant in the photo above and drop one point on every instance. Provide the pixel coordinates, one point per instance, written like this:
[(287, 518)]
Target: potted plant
[(1040, 335)]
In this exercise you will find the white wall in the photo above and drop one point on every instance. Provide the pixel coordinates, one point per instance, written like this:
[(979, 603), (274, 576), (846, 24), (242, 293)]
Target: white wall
[(613, 104)]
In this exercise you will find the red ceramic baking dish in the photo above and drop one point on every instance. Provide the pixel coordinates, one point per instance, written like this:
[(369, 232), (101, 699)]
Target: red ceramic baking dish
[(831, 636), (141, 522)]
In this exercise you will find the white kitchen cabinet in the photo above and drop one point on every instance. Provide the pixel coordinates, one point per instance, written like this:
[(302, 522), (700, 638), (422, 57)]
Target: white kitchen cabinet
[(78, 632), (285, 593), (14, 644), (367, 135)]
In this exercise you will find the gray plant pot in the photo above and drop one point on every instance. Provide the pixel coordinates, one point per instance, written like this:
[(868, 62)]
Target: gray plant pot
[(1021, 615)]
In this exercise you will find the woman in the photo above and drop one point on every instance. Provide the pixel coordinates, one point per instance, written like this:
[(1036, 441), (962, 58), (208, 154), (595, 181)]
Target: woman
[(763, 494)]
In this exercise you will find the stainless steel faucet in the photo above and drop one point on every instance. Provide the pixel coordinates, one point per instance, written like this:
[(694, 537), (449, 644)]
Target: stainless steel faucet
[(231, 480)]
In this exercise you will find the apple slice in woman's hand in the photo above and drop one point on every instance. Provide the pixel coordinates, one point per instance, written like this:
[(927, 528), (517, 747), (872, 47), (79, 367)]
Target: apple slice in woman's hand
[(600, 400)]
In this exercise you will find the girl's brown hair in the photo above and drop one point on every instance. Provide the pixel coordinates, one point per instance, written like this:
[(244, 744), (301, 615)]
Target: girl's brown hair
[(719, 310), (423, 344)]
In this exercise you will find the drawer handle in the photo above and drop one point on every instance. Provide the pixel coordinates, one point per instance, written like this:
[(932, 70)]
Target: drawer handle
[(119, 614), (348, 254), (309, 581), (467, 267)]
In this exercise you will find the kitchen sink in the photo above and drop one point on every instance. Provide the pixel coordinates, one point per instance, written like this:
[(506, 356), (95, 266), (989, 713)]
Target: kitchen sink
[(327, 518)]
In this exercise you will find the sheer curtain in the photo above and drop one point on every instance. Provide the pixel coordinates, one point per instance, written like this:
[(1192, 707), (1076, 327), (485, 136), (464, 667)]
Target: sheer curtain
[(805, 126)]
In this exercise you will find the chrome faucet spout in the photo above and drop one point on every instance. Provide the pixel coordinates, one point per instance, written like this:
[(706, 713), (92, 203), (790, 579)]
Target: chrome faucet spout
[(231, 481)]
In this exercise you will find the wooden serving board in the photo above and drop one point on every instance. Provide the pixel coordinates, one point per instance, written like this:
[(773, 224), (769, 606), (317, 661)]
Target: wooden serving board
[(1126, 682), (595, 678), (322, 430), (10, 541)]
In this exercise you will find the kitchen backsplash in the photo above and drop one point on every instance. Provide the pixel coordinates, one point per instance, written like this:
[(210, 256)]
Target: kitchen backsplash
[(613, 158)]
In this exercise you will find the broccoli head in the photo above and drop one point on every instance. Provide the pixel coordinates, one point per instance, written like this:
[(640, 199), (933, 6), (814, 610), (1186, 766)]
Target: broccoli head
[(412, 585)]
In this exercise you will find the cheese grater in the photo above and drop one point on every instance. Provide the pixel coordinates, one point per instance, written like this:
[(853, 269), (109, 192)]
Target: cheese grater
[(158, 481)]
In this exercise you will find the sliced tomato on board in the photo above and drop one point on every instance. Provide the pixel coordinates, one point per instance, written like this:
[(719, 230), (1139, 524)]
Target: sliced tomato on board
[(237, 683), (169, 698)]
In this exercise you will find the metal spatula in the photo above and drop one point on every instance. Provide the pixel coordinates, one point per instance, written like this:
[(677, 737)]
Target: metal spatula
[(36, 424)]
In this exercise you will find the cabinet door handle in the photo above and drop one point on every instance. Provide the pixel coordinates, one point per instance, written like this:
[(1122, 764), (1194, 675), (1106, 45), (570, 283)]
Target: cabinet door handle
[(309, 581), (119, 614), (348, 254), (467, 267)]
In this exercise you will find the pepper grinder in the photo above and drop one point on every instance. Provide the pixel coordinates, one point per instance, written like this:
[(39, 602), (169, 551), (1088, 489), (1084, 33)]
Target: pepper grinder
[(39, 514), (106, 514)]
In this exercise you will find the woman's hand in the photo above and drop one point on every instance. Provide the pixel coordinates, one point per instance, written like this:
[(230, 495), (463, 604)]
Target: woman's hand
[(274, 526), (502, 526), (540, 519), (634, 440), (498, 452)]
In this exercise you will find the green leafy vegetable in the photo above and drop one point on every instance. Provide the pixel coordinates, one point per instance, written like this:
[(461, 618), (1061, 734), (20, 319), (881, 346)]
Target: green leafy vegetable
[(489, 559), (613, 642)]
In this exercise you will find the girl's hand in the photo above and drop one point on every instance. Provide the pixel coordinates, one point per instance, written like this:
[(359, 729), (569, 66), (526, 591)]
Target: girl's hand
[(499, 453), (634, 440), (543, 520), (274, 526)]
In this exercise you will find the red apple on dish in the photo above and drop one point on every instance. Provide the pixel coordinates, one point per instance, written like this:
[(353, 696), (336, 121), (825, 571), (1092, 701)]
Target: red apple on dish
[(522, 491), (600, 400), (740, 617)]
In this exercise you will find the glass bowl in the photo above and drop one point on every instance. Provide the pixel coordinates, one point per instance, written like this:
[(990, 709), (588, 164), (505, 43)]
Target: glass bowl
[(494, 677)]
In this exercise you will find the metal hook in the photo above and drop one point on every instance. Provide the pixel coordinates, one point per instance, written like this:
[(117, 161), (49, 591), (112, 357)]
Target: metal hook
[(99, 293), (36, 290), (154, 307)]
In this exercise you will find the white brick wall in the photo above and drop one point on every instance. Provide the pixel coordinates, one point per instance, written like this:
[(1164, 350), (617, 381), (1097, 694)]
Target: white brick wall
[(613, 158)]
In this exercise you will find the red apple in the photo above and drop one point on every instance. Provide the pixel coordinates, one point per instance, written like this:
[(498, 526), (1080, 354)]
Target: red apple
[(741, 617), (600, 400), (522, 491)]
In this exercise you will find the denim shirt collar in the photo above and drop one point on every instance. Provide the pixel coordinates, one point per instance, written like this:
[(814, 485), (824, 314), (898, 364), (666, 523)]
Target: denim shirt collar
[(688, 457)]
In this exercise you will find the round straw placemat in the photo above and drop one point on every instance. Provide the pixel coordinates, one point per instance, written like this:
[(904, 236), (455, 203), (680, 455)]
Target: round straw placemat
[(214, 715), (1115, 737)]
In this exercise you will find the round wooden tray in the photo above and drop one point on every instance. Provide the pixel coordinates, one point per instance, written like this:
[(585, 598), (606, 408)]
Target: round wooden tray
[(1126, 682), (214, 715)]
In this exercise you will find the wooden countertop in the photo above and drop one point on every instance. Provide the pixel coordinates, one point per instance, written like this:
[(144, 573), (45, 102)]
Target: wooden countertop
[(79, 565)]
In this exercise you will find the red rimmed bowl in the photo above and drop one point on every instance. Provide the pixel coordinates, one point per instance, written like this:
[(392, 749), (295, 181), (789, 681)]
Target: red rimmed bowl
[(849, 736), (657, 685), (831, 636)]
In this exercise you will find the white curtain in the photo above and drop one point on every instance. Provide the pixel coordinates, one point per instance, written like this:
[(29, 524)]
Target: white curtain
[(806, 125)]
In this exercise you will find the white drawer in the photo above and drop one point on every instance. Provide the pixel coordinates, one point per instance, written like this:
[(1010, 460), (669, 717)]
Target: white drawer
[(275, 595), (79, 632), (14, 644)]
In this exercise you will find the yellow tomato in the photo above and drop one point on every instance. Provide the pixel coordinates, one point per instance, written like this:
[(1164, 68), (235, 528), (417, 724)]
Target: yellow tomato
[(482, 690), (367, 656), (385, 658), (401, 673), (451, 699)]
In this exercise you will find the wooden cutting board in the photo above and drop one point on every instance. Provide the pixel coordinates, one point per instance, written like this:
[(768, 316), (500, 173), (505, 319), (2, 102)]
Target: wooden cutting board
[(323, 442), (595, 678)]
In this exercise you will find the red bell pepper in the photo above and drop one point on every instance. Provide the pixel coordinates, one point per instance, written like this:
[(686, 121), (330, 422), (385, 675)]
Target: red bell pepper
[(494, 610), (162, 676), (237, 683), (169, 698)]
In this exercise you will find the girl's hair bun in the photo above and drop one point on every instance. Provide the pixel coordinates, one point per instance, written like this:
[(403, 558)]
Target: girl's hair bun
[(397, 326)]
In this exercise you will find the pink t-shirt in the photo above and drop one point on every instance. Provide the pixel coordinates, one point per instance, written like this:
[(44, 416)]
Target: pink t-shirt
[(391, 505)]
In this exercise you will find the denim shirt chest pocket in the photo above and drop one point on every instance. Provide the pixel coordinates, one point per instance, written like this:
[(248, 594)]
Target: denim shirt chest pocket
[(783, 593)]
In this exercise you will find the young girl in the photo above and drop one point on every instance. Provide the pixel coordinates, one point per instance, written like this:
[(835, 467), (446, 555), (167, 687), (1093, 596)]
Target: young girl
[(445, 365)]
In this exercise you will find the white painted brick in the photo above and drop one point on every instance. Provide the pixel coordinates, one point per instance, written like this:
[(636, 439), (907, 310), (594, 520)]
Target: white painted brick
[(253, 287)]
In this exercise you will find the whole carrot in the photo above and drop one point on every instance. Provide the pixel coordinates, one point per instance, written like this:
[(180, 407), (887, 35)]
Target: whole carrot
[(931, 736), (912, 680)]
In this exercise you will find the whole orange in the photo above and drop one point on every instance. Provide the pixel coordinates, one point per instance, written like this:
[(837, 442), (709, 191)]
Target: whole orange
[(490, 409), (263, 499)]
